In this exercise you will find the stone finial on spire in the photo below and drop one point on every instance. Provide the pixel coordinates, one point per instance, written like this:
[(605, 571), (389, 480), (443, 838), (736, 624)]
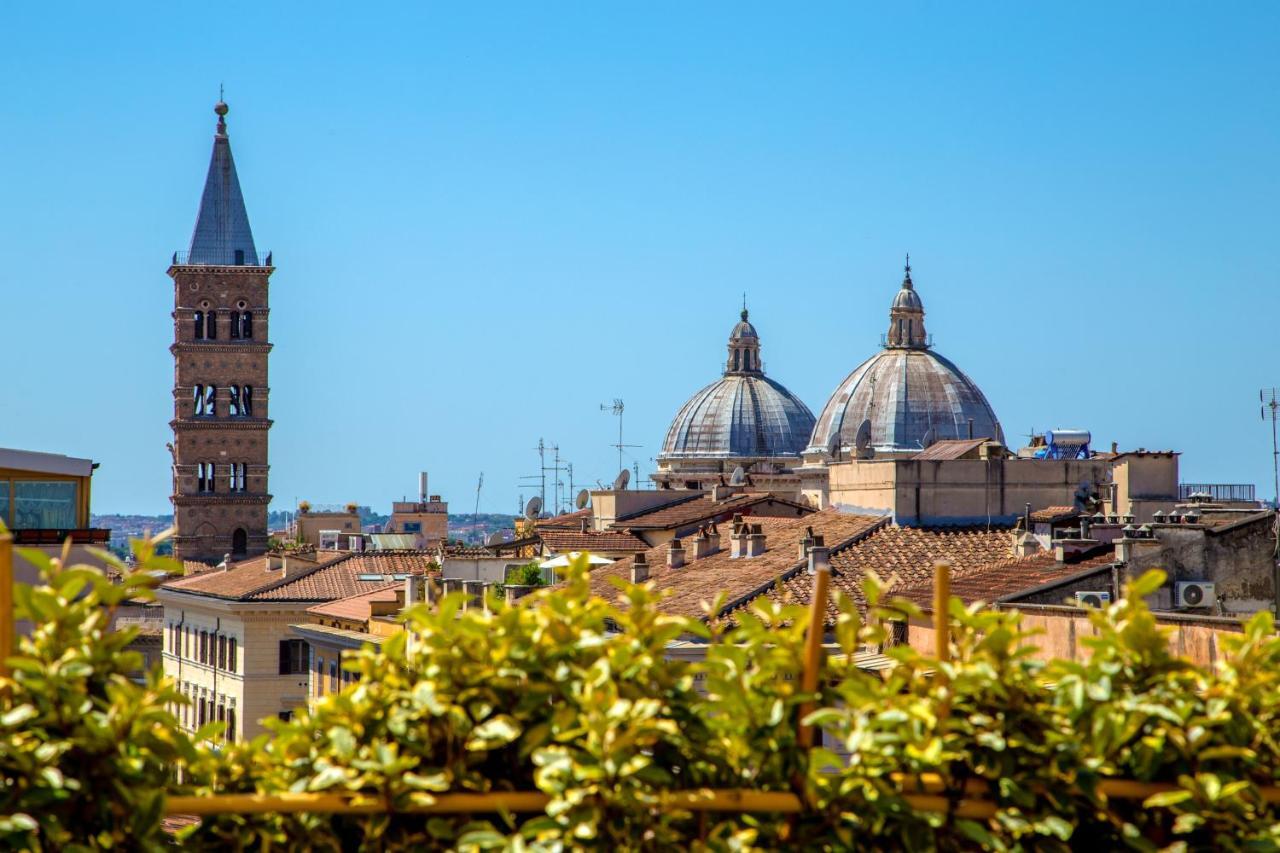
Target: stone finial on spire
[(906, 278), (221, 109), (744, 306)]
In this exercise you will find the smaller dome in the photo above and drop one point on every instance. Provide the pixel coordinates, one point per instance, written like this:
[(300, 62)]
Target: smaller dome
[(739, 415), (743, 329), (908, 298)]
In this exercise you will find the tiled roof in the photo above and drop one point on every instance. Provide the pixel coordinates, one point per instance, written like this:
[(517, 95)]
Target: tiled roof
[(571, 520), (1052, 514), (560, 541), (339, 578), (700, 509), (353, 638), (1008, 577), (950, 448), (904, 555), (464, 551), (702, 580), (357, 607)]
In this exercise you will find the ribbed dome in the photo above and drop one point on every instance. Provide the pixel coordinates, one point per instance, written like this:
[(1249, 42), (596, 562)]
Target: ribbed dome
[(744, 414), (911, 395), (739, 415), (907, 394)]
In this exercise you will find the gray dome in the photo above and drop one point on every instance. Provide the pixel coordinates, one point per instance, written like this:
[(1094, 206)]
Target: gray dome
[(908, 298), (740, 415), (743, 329), (905, 393)]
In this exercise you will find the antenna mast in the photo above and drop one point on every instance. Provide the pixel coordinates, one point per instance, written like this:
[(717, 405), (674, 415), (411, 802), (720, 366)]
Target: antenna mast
[(616, 409), (475, 519), (1271, 411)]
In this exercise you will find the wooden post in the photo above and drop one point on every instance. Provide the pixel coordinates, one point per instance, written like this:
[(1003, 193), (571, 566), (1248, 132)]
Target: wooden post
[(941, 602), (818, 560), (6, 600)]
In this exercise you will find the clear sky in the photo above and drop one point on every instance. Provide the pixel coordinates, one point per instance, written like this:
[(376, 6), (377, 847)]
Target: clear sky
[(490, 219)]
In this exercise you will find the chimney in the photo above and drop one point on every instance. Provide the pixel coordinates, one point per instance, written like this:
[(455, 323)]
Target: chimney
[(1026, 519), (274, 561), (675, 554), (639, 568), (584, 527), (1115, 448), (1084, 527), (422, 487), (819, 557), (755, 541), (737, 542), (806, 543), (713, 539)]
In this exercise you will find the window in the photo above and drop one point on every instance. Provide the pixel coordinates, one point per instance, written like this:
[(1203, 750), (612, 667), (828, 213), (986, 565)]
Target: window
[(413, 527), (238, 477), (235, 325), (200, 715), (199, 325), (319, 676), (284, 716), (205, 398), (246, 325), (45, 505), (333, 676), (239, 257), (293, 656), (246, 401), (239, 542), (204, 647), (231, 724), (233, 406), (211, 325), (222, 652), (231, 656)]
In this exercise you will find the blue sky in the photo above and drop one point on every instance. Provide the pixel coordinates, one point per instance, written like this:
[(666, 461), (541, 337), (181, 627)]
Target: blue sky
[(490, 219)]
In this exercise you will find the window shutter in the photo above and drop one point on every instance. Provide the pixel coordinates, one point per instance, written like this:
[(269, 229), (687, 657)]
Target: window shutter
[(284, 657)]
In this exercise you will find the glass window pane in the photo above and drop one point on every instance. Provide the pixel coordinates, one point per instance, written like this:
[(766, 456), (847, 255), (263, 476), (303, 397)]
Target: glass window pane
[(44, 505), (4, 502)]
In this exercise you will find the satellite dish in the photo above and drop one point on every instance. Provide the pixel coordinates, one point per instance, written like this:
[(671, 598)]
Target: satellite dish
[(739, 477), (533, 508), (620, 481), (863, 439), (584, 498), (495, 538)]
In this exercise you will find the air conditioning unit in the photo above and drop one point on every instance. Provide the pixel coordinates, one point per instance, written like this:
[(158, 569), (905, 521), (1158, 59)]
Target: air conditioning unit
[(1194, 594), (1093, 598)]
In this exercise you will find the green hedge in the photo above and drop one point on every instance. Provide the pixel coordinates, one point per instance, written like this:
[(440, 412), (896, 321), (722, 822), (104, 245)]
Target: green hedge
[(574, 697)]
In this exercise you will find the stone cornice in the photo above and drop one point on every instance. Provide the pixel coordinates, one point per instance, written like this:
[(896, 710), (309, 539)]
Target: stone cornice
[(176, 269), (215, 499), (206, 422), (219, 348)]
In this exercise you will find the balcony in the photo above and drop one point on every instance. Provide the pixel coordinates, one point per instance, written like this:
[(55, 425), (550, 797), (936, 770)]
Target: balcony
[(1218, 492)]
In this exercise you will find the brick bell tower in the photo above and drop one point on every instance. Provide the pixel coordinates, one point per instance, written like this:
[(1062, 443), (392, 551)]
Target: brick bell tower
[(220, 392)]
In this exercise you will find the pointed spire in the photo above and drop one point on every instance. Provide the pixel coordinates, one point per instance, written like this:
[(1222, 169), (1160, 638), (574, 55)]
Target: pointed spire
[(744, 306), (222, 234), (906, 278)]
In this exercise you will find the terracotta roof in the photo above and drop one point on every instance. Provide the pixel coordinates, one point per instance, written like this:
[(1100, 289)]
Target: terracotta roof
[(903, 555), (463, 550), (560, 541), (568, 520), (700, 581), (950, 448), (701, 509), (357, 607), (1008, 577), (1052, 514), (340, 578)]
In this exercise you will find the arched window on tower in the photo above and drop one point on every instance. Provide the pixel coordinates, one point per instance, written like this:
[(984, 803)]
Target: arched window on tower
[(737, 359), (210, 401), (746, 360), (246, 401), (198, 322), (235, 325), (197, 399), (211, 325), (246, 325), (233, 404)]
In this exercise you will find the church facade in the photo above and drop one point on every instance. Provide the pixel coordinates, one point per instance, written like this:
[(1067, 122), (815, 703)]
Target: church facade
[(220, 389)]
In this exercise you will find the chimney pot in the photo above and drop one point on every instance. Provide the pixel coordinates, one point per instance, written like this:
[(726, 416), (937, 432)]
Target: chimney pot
[(755, 544), (675, 554), (819, 559), (639, 568)]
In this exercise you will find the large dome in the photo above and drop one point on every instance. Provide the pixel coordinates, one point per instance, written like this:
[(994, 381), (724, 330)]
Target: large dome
[(743, 414), (911, 395)]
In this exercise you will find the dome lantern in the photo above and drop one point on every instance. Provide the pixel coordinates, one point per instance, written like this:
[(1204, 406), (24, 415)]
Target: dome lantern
[(906, 316)]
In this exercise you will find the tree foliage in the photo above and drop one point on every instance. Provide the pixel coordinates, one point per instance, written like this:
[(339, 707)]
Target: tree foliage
[(583, 700)]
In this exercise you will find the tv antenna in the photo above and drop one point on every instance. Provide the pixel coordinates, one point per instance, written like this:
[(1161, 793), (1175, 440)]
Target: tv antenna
[(616, 408), (1271, 411), (475, 519), (540, 479)]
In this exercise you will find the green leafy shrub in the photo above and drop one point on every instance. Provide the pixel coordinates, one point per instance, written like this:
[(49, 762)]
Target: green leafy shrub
[(575, 697), (527, 575), (86, 754)]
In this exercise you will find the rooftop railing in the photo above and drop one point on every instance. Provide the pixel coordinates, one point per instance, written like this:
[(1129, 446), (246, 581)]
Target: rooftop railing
[(233, 258), (1217, 491)]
